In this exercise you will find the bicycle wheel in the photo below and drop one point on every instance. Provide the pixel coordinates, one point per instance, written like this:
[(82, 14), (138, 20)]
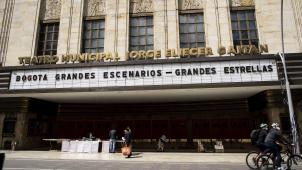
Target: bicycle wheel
[(294, 162), (265, 162), (251, 159)]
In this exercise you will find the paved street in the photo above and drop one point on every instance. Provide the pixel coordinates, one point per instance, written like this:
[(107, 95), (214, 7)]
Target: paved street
[(49, 160), (40, 164)]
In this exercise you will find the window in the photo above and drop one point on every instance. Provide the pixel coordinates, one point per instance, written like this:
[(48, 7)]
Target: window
[(244, 27), (141, 33), (9, 127), (48, 39), (93, 37), (191, 30)]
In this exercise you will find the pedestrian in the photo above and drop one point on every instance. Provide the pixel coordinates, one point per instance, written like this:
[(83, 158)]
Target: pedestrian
[(128, 140), (13, 145), (161, 143), (112, 140)]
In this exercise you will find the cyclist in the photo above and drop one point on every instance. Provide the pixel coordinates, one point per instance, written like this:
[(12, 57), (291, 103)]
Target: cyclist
[(261, 137), (271, 142)]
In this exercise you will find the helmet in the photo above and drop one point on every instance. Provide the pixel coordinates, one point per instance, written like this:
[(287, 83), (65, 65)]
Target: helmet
[(263, 125), (275, 125)]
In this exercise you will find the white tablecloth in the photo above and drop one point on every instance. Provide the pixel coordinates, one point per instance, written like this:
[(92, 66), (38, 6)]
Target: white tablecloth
[(80, 146)]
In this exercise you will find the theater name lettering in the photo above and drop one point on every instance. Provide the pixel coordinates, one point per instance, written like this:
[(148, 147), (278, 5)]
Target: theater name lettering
[(142, 55), (128, 74)]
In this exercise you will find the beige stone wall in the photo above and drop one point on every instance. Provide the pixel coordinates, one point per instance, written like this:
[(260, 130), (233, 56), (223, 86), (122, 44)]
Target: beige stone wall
[(25, 21), (23, 30), (268, 19), (297, 6), (6, 12)]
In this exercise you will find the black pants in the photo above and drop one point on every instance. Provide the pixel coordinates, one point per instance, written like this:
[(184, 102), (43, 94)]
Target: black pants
[(275, 149), (261, 147)]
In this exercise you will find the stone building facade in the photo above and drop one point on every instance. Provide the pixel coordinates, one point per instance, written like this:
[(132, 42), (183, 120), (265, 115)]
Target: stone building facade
[(21, 23)]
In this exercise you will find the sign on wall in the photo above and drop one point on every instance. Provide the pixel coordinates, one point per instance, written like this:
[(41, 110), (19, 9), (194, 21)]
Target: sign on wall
[(146, 75)]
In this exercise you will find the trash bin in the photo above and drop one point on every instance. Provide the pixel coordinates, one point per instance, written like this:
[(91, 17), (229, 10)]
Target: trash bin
[(2, 157)]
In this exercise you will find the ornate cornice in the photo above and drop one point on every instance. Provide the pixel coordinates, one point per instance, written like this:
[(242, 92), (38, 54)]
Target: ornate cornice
[(238, 3), (141, 6), (190, 4), (51, 9), (95, 7)]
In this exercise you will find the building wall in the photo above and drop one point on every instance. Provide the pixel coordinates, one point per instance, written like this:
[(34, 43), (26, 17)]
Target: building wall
[(297, 6), (27, 15), (6, 12)]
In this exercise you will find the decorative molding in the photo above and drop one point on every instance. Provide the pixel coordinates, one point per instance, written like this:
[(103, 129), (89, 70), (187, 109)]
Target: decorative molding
[(140, 6), (190, 4), (237, 3), (51, 9), (95, 8)]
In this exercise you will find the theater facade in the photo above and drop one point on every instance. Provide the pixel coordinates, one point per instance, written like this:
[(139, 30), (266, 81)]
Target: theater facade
[(189, 69)]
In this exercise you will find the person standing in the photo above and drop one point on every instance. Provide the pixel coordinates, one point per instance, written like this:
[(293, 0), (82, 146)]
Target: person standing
[(112, 140), (128, 140)]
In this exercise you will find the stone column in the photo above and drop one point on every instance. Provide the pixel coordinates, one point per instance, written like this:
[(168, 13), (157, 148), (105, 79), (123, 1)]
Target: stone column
[(224, 28), (172, 25), (2, 116), (23, 35), (65, 27), (20, 130), (273, 114), (110, 44), (122, 28), (211, 25), (160, 21), (76, 27)]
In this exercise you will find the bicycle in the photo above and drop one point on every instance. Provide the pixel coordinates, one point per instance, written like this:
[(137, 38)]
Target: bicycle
[(267, 161), (252, 156)]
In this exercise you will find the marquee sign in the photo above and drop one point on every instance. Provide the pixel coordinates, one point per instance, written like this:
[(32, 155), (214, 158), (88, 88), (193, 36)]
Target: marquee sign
[(142, 55), (213, 72)]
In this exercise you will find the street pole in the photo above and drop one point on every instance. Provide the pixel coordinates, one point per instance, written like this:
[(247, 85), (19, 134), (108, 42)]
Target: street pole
[(288, 92)]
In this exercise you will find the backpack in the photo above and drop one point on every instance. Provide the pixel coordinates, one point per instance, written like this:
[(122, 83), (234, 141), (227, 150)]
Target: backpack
[(254, 136)]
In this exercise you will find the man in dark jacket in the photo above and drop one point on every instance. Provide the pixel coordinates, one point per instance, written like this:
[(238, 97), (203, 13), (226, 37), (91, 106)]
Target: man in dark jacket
[(112, 140), (128, 139), (273, 137), (261, 137)]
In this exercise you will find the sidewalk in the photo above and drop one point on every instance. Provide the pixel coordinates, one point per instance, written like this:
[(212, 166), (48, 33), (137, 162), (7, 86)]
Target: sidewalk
[(137, 156)]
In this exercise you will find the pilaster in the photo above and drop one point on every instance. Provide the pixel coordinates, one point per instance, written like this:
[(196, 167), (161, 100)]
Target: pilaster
[(172, 25), (160, 25), (111, 23), (224, 28), (122, 28), (76, 27), (273, 114), (20, 130), (211, 25), (65, 27)]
